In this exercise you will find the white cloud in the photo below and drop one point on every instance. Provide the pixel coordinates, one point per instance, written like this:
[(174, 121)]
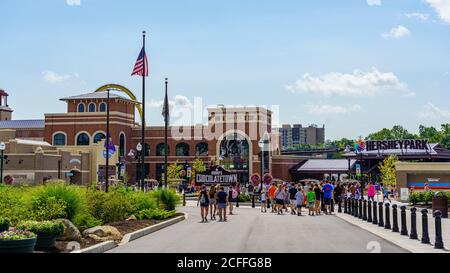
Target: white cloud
[(358, 83), (374, 2), (442, 7), (73, 2), (54, 78), (332, 109), (397, 32), (178, 101), (417, 15), (431, 111)]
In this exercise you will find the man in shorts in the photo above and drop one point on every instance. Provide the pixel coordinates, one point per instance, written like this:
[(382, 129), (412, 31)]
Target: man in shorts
[(311, 197), (327, 196), (272, 192), (292, 199), (299, 198), (222, 204)]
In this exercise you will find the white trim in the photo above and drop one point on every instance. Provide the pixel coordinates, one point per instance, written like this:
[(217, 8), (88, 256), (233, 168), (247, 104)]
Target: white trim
[(78, 107), (79, 133), (98, 132), (86, 123), (95, 107), (87, 114), (56, 133)]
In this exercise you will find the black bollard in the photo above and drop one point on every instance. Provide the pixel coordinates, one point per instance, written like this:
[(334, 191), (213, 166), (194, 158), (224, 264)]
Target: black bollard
[(345, 205), (425, 236), (375, 213), (353, 207), (388, 216), (184, 199), (356, 208), (369, 211), (404, 230), (339, 200), (349, 204), (380, 211), (413, 234), (332, 205), (439, 244), (360, 215), (394, 219), (237, 201), (253, 201), (365, 210)]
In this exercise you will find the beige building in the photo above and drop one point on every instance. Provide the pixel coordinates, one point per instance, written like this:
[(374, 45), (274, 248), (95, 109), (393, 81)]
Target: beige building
[(436, 174)]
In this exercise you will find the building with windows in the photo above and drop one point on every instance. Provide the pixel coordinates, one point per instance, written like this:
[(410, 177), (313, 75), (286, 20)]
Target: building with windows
[(299, 135)]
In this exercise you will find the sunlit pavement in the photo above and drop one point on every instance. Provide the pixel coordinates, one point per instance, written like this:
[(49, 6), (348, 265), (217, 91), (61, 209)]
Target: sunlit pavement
[(249, 231)]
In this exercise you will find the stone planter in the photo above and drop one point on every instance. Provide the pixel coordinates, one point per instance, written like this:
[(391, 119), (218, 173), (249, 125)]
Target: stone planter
[(18, 246)]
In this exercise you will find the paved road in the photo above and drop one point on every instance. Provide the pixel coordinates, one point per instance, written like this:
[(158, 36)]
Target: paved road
[(252, 232)]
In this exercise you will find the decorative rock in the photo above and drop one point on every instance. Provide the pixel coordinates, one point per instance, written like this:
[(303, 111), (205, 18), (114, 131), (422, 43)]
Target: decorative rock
[(131, 218), (71, 232), (103, 233)]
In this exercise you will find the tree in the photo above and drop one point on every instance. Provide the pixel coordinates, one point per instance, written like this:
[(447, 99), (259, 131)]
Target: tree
[(173, 171), (198, 167), (387, 169)]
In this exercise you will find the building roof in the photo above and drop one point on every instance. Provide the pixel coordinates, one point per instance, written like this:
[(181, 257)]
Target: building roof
[(3, 93), (331, 165), (96, 95), (32, 142), (22, 124)]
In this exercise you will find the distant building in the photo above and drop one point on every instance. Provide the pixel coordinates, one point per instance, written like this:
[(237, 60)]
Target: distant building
[(299, 135)]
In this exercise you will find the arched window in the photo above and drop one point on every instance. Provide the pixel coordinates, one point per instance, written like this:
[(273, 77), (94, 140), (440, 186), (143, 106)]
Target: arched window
[(161, 151), (99, 137), (59, 139), (81, 107), (83, 139), (92, 107), (201, 149), (182, 149), (121, 142), (147, 149), (102, 107)]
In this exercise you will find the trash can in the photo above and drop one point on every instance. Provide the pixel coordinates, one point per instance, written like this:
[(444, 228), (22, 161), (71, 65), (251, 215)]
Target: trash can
[(440, 202)]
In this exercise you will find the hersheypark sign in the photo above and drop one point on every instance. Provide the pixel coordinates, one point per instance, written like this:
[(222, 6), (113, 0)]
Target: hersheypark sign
[(216, 176), (411, 144)]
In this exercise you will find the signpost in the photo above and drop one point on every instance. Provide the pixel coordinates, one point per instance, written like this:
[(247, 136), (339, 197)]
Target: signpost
[(2, 149)]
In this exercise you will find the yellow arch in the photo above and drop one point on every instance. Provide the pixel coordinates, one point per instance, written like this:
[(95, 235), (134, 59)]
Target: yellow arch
[(125, 90)]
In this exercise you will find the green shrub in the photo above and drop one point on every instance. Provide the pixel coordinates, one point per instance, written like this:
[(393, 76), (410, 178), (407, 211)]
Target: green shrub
[(5, 223), (49, 208), (245, 197), (71, 196), (166, 199), (141, 201), (156, 214), (55, 228), (14, 204), (85, 220), (109, 207), (415, 198), (428, 197)]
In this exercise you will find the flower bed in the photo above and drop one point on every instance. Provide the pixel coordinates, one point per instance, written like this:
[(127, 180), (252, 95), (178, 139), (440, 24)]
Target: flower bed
[(46, 231), (17, 241)]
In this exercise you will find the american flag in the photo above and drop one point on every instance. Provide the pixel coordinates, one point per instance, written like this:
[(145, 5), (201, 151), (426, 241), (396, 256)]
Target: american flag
[(141, 66)]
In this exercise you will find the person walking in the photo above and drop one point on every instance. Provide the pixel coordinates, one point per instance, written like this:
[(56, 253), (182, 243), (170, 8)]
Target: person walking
[(371, 191), (338, 192), (222, 204), (327, 190), (293, 199), (280, 196), (272, 192), (317, 194), (311, 197), (386, 193), (300, 199), (203, 200), (212, 202), (263, 200), (232, 196)]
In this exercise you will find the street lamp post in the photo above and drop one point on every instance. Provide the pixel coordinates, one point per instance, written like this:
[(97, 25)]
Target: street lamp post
[(139, 161), (2, 149)]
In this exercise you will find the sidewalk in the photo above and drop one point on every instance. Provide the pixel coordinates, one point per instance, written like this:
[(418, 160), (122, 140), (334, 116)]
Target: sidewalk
[(405, 241)]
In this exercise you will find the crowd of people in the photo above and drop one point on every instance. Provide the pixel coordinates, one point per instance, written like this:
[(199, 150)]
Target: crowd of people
[(316, 197)]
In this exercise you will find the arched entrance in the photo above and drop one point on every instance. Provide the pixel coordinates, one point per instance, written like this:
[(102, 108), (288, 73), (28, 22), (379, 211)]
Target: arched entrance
[(234, 154)]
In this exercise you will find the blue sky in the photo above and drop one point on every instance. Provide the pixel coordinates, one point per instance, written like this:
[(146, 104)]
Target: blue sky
[(356, 66)]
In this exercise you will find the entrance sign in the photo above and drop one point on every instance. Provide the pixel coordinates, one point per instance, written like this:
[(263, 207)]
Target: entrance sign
[(412, 144), (404, 194), (215, 176)]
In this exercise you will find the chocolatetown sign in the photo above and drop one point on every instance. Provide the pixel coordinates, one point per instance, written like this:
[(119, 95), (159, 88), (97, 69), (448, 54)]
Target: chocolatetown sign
[(216, 175)]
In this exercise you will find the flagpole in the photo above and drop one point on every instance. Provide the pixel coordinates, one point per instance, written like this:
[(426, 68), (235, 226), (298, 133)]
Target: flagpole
[(107, 145), (166, 121), (143, 118)]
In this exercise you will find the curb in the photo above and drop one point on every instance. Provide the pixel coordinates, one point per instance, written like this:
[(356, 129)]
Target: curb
[(99, 248), (394, 238), (148, 230)]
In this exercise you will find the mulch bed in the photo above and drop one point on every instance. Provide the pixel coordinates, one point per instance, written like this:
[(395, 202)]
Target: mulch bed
[(124, 227)]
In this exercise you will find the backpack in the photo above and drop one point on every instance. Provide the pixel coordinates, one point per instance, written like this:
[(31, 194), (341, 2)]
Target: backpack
[(202, 199)]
